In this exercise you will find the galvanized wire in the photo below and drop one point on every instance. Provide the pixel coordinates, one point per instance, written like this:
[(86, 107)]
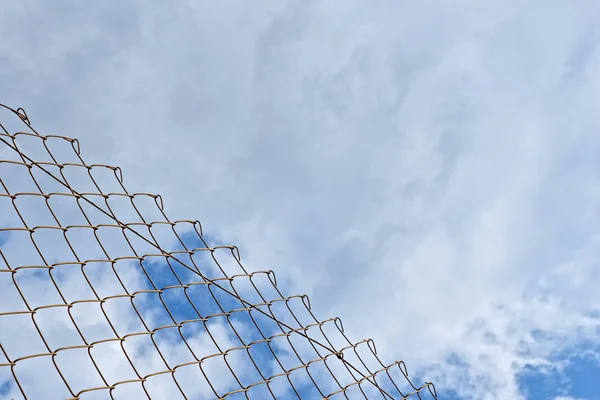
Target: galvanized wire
[(319, 358)]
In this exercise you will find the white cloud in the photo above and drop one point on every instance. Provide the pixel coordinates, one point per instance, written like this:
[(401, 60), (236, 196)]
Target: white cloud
[(426, 171), (565, 398)]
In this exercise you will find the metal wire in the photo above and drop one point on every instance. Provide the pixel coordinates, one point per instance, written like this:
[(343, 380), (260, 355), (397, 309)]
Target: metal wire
[(286, 355)]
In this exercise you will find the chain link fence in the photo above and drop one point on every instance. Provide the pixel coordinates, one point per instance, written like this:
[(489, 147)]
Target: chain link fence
[(102, 296)]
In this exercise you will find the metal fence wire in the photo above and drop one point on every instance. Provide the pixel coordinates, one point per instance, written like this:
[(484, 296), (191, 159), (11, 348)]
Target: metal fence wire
[(102, 296)]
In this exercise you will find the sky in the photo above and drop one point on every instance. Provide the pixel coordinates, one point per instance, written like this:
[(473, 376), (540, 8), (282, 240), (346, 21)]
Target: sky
[(424, 170)]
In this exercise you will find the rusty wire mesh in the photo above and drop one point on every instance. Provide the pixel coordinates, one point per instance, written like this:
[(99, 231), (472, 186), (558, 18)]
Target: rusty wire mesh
[(92, 306)]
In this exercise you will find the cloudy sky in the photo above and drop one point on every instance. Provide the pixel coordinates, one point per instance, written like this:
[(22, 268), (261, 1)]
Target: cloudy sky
[(424, 170)]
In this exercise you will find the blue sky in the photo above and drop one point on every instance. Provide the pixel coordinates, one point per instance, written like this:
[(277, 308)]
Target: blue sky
[(426, 171), (577, 380)]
